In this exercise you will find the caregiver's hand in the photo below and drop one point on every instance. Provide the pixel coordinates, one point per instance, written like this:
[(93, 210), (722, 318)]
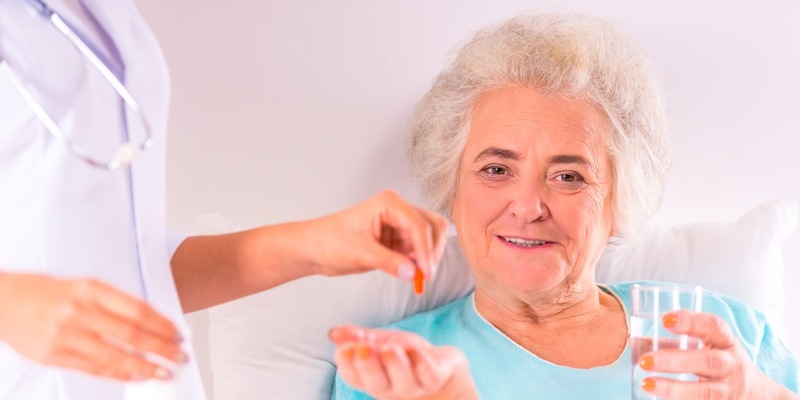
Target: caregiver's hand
[(723, 366), (400, 365), (383, 232), (84, 325)]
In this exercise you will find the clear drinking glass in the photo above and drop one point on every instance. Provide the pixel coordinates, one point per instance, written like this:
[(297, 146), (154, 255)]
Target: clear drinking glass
[(649, 304)]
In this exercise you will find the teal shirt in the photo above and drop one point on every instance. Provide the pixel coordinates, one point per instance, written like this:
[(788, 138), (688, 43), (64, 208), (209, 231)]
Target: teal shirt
[(504, 370)]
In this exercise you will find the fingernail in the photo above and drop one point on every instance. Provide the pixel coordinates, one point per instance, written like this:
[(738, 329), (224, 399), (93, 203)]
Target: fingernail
[(406, 271), (670, 320), (181, 358), (648, 384), (162, 373), (647, 362), (363, 352), (348, 352), (333, 334)]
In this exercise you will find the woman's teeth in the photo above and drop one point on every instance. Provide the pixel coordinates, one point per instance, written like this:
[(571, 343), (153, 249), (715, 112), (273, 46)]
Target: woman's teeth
[(525, 243)]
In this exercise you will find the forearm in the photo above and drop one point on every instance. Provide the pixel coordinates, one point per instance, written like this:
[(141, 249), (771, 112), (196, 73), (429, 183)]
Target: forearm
[(210, 270), (383, 232)]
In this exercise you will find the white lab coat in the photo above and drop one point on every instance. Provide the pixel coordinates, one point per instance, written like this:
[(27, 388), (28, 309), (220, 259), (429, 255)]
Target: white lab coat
[(58, 215)]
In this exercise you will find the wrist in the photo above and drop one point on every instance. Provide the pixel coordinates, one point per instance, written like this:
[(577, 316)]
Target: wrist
[(282, 248), (772, 390), (459, 387), (464, 388)]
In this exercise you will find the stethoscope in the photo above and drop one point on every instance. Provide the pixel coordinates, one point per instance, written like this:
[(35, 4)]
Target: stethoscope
[(126, 152)]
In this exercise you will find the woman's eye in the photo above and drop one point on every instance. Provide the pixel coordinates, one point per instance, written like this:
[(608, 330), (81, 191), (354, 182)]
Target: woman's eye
[(569, 178), (496, 170), (569, 181)]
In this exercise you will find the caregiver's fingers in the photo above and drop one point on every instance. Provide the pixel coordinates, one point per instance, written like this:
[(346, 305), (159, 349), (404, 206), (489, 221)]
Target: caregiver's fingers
[(137, 316), (89, 354), (710, 328), (128, 322), (439, 237), (709, 363), (384, 232), (135, 337), (52, 315), (669, 389), (417, 234)]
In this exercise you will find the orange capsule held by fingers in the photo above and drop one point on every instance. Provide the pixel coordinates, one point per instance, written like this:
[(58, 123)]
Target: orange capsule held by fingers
[(419, 283)]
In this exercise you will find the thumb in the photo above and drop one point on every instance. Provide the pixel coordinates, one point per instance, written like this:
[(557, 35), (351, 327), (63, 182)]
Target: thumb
[(347, 333)]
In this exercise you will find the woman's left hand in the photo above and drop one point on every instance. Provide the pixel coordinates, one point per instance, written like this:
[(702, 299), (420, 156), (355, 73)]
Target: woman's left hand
[(396, 365), (724, 369)]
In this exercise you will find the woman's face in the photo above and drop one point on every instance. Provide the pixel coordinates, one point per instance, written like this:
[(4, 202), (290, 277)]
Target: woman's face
[(532, 207)]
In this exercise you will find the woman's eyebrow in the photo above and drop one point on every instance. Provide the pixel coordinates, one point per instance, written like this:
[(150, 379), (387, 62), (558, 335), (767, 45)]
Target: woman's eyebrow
[(496, 152), (568, 159)]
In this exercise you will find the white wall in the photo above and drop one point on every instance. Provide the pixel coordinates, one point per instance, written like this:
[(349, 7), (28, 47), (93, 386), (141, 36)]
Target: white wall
[(288, 109)]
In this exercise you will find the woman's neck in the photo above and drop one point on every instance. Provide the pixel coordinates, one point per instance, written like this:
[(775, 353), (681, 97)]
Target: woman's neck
[(580, 327)]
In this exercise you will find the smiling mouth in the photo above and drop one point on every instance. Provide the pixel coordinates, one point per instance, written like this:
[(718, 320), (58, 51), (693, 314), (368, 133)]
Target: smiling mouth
[(524, 242)]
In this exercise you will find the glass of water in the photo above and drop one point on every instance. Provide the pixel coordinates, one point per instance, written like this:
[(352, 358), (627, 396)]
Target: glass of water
[(649, 304)]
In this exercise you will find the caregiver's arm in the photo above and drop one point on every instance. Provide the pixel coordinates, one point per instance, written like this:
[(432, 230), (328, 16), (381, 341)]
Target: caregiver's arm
[(383, 232)]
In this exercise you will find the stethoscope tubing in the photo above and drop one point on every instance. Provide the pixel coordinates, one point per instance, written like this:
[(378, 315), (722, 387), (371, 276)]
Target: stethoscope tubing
[(127, 151)]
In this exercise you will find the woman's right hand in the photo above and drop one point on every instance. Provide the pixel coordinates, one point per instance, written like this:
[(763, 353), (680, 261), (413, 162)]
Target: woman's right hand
[(85, 325), (389, 364)]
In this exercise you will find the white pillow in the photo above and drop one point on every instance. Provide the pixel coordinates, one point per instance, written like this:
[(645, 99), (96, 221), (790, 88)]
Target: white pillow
[(743, 259), (274, 344)]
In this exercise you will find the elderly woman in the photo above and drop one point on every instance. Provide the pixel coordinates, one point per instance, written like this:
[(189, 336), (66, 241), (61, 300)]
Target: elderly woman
[(545, 138)]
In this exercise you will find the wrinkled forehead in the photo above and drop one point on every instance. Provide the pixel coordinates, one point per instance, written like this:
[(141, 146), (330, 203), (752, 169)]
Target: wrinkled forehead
[(512, 111)]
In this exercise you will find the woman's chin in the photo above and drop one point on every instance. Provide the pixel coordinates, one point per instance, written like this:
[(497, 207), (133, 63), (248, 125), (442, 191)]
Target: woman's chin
[(525, 286)]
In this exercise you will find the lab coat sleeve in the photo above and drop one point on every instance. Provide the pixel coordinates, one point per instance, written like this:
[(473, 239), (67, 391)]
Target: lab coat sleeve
[(174, 239), (207, 224)]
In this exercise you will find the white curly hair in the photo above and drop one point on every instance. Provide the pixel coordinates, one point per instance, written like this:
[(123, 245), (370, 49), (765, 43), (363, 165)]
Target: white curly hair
[(568, 54)]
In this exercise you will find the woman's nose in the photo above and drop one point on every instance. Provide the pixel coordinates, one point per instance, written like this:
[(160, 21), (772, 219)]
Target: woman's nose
[(527, 202)]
